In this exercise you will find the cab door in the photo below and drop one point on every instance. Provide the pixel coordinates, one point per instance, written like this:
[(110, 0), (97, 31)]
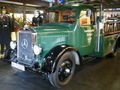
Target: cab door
[(87, 31)]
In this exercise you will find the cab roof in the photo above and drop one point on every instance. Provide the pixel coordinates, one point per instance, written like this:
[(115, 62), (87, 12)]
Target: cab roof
[(69, 6)]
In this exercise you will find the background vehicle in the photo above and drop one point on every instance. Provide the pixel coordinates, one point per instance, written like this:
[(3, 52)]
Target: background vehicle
[(74, 32)]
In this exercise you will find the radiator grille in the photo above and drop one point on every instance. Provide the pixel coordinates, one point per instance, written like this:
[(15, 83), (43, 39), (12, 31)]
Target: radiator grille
[(24, 48)]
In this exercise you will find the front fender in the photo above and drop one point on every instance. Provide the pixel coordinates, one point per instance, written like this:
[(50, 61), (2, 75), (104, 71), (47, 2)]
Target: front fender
[(51, 59)]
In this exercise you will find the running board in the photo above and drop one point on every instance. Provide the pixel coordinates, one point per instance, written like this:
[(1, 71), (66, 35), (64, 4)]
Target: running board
[(87, 59)]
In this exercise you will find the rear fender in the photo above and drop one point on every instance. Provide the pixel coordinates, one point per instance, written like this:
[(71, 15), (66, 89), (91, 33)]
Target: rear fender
[(118, 41)]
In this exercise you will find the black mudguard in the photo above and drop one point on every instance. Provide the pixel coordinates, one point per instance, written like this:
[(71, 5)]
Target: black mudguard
[(51, 59)]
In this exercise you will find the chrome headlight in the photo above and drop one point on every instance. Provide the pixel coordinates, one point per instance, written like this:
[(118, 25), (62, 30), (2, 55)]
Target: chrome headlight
[(13, 44), (37, 49)]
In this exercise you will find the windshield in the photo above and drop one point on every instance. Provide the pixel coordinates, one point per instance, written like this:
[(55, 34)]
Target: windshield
[(61, 15)]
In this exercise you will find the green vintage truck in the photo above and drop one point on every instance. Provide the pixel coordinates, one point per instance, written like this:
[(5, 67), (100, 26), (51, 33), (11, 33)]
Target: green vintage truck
[(72, 33)]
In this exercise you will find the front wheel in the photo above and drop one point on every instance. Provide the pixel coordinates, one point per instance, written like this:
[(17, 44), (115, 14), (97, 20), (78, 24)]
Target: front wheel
[(7, 54), (64, 71)]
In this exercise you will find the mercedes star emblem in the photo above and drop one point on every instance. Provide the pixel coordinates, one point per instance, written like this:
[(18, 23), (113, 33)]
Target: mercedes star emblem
[(24, 43)]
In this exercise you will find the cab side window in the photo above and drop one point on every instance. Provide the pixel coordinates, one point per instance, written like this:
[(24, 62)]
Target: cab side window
[(87, 17)]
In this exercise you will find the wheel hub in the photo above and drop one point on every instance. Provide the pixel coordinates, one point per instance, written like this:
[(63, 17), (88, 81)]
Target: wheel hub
[(65, 70)]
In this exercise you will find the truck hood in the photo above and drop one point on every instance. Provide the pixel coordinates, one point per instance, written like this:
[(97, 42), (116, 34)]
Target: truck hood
[(53, 27)]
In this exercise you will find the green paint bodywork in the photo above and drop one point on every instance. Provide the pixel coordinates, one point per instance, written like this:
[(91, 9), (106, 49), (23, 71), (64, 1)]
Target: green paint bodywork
[(83, 38)]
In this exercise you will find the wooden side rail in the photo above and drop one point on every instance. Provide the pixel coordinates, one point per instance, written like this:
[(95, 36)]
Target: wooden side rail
[(112, 27)]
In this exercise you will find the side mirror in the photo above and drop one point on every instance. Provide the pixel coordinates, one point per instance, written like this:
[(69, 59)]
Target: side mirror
[(99, 19)]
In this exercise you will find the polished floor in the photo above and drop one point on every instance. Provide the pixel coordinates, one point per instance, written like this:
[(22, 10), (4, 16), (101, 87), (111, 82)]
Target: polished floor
[(100, 74)]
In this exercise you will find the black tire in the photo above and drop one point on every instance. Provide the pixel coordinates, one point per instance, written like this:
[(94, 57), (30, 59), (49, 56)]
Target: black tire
[(64, 71), (7, 54), (115, 50), (10, 55)]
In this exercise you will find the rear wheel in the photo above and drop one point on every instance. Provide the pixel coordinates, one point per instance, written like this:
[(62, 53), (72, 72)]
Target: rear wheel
[(115, 50), (64, 71)]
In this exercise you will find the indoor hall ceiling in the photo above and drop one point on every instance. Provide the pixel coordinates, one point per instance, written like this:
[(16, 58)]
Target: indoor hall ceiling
[(106, 3), (41, 3), (37, 3), (110, 3)]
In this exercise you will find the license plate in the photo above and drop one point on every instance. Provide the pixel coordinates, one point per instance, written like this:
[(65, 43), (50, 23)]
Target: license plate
[(18, 66)]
